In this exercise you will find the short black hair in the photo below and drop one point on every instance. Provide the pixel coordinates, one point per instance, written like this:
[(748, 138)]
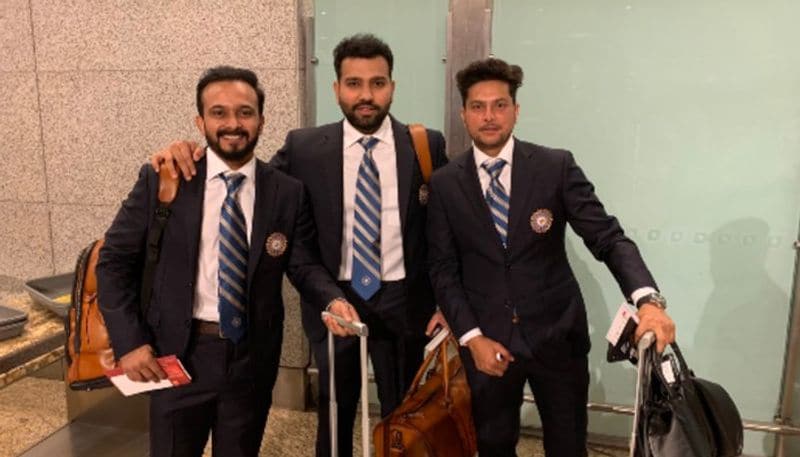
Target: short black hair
[(228, 73), (490, 69), (363, 45)]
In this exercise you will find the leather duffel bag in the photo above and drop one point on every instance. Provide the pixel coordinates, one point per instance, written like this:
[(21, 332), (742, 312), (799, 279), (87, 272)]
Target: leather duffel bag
[(435, 417)]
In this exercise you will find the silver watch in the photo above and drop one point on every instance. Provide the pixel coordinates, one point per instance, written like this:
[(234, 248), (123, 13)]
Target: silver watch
[(654, 298)]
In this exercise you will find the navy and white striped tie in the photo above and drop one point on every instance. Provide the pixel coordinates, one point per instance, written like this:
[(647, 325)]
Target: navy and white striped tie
[(366, 279), (497, 198), (233, 253)]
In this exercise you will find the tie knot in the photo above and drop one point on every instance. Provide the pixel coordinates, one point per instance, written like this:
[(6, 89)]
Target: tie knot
[(232, 181), (494, 167), (368, 142)]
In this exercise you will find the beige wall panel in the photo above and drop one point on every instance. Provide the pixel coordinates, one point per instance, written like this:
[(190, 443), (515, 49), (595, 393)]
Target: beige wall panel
[(16, 41), (74, 226), (99, 127), (296, 352), (22, 172), (158, 35), (24, 240)]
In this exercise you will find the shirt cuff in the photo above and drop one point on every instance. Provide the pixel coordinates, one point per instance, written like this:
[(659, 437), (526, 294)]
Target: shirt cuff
[(641, 292), (469, 335)]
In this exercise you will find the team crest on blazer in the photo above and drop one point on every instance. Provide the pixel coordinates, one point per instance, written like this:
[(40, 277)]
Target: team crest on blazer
[(541, 220), (276, 244), (424, 194)]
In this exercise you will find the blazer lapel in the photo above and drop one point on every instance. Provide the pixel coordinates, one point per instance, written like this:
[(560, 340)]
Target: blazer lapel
[(470, 185), (522, 183), (263, 214), (331, 160), (404, 154)]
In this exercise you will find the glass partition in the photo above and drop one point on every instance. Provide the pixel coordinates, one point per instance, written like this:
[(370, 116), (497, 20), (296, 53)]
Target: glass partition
[(685, 116), (414, 29)]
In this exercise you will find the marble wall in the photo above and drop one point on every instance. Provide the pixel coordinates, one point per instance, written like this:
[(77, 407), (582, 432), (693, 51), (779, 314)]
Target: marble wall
[(90, 88)]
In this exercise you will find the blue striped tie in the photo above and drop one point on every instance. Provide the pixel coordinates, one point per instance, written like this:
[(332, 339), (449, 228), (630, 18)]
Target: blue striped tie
[(232, 262), (497, 198), (366, 279)]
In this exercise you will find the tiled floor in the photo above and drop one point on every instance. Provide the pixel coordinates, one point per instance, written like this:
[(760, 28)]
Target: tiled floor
[(33, 408)]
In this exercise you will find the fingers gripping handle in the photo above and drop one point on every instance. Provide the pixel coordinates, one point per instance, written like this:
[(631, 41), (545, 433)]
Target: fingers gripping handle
[(359, 327)]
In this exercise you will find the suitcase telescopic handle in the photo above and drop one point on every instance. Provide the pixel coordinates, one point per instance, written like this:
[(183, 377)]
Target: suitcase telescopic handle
[(362, 331), (642, 376)]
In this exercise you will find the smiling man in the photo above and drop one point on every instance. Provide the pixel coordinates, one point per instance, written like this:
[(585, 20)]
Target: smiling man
[(499, 267), (216, 300), (370, 206)]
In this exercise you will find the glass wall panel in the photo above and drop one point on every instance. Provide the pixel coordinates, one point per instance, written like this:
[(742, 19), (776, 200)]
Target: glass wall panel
[(415, 30), (686, 117)]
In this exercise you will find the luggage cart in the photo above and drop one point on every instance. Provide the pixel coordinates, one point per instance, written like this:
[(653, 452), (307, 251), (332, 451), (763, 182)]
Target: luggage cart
[(362, 332)]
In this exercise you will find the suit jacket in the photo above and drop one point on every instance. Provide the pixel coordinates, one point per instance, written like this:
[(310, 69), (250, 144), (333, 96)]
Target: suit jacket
[(280, 207), (314, 156), (479, 283)]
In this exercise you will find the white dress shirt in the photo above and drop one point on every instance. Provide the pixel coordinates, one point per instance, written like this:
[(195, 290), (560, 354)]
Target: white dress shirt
[(384, 155), (507, 153), (206, 297)]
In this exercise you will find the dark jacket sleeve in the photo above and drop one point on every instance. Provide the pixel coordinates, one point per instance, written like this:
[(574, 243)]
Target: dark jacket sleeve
[(119, 268), (445, 267), (438, 148), (305, 269), (281, 158), (602, 233)]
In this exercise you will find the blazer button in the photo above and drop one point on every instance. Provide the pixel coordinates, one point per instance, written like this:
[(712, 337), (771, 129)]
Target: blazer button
[(515, 319)]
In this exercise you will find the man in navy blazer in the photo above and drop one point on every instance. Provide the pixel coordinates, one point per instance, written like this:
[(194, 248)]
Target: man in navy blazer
[(499, 267), (327, 160), (218, 307)]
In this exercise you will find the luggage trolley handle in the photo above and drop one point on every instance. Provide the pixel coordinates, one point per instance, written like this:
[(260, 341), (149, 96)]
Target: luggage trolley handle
[(642, 376), (362, 332)]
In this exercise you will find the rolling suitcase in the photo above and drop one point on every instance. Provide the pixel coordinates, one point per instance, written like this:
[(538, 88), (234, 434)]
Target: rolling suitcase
[(362, 332)]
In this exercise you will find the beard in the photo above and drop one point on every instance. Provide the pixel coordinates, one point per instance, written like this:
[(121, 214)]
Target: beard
[(365, 124), (236, 154)]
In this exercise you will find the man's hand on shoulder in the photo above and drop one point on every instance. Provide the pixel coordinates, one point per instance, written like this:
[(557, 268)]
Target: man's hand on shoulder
[(140, 365), (655, 319), (346, 311), (490, 356), (179, 155)]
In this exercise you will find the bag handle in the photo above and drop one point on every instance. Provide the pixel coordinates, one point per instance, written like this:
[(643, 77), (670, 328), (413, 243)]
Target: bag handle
[(419, 136), (440, 356)]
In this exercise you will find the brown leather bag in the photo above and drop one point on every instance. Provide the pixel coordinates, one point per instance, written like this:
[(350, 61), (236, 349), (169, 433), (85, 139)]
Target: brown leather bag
[(88, 347), (435, 418)]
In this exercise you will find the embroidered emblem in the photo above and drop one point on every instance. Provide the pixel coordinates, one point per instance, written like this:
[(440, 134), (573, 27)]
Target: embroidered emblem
[(236, 322), (365, 280), (424, 194), (541, 220), (276, 244)]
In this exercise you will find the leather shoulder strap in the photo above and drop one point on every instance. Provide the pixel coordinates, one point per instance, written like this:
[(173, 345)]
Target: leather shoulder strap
[(419, 135)]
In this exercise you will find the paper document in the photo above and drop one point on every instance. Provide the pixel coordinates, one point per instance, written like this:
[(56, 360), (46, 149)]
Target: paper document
[(172, 366)]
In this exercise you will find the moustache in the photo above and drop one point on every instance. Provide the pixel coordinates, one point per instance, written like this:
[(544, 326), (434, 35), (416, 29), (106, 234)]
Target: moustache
[(367, 105)]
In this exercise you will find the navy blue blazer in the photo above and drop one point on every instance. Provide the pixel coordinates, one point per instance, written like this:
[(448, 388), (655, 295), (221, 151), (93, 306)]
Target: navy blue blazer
[(314, 156), (281, 208), (479, 283)]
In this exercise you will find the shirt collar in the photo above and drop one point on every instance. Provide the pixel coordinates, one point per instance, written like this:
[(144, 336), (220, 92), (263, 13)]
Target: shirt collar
[(216, 166), (507, 154), (384, 133)]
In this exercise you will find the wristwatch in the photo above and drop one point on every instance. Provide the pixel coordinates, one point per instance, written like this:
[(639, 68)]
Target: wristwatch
[(654, 298)]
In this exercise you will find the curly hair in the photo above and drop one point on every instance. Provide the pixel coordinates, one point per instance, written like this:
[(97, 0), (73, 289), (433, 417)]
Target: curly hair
[(490, 69)]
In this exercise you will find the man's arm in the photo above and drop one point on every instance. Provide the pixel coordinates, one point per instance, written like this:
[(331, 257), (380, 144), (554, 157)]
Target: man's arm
[(605, 238), (119, 270), (309, 276)]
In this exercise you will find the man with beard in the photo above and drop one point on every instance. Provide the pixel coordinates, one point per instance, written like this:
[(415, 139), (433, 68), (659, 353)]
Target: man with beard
[(369, 201), (500, 270), (216, 300)]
